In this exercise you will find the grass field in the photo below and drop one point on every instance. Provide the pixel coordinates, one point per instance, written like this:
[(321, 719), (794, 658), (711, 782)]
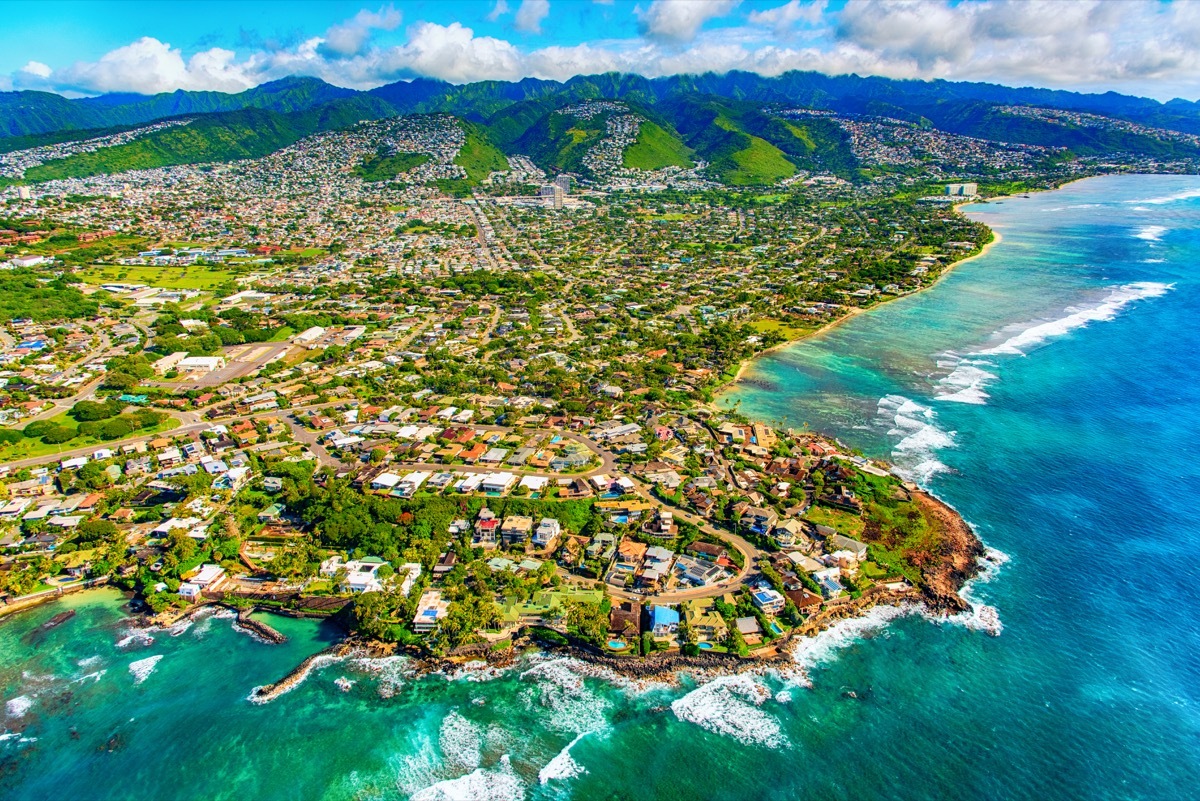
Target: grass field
[(760, 163), (655, 149), (785, 330), (843, 522), (192, 277), (32, 448)]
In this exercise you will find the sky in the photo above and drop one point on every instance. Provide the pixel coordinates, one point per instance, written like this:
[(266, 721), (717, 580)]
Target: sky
[(1142, 47)]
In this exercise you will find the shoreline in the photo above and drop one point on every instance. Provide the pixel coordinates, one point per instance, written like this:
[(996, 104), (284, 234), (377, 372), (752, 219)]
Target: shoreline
[(748, 362)]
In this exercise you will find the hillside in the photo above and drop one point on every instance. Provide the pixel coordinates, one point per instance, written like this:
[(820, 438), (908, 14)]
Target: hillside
[(225, 136), (656, 148), (478, 156)]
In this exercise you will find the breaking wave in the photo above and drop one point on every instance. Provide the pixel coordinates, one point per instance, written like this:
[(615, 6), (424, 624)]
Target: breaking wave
[(17, 707), (142, 668), (461, 742), (501, 784), (915, 454), (967, 381), (729, 706), (1185, 194), (563, 766), (1150, 233)]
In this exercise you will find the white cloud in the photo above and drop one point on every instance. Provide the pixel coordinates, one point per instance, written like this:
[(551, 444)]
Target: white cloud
[(150, 66), (530, 15), (498, 11), (783, 18), (681, 20), (37, 69), (1137, 46), (348, 38)]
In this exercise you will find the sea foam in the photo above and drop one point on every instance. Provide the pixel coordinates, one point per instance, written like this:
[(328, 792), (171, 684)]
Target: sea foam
[(920, 437), (17, 707), (460, 741), (1078, 317), (1185, 194), (1150, 233), (563, 766), (142, 668), (729, 706), (501, 784)]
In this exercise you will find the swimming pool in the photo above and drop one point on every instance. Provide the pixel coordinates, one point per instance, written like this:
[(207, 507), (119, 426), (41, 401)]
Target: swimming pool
[(704, 646), (776, 629), (616, 645)]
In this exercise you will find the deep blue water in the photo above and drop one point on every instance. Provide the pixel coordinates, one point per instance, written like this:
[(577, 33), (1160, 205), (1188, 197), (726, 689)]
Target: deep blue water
[(1076, 458)]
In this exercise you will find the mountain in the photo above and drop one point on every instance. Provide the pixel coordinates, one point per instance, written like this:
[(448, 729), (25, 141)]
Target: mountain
[(732, 121), (221, 136), (31, 113)]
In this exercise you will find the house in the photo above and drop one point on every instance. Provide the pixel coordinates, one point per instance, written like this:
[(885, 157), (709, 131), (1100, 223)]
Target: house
[(768, 600), (748, 627), (839, 542), (602, 547), (630, 554), (805, 600), (707, 550), (271, 513), (625, 621), (704, 621), (664, 621), (431, 609), (487, 529), (516, 529), (547, 532), (362, 574), (189, 591), (207, 575), (445, 563), (828, 580), (498, 483), (758, 520)]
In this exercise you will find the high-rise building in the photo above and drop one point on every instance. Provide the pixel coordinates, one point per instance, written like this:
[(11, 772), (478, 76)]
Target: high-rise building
[(962, 190), (553, 193), (565, 182), (24, 193)]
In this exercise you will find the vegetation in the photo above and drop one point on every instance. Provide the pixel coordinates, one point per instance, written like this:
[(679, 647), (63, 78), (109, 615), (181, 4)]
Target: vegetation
[(656, 148), (384, 167)]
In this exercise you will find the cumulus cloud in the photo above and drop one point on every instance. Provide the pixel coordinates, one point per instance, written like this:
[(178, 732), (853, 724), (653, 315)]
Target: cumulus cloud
[(681, 20), (149, 66), (348, 38), (530, 15), (785, 17), (1139, 46)]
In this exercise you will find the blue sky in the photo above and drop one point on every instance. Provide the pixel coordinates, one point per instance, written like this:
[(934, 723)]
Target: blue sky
[(1148, 47)]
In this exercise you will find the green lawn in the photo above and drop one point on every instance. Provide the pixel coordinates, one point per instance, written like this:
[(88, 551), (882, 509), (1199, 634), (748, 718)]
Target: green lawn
[(191, 277), (785, 330), (384, 168), (33, 448)]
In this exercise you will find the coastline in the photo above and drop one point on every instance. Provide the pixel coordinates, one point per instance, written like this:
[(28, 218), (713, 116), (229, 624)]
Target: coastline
[(748, 362)]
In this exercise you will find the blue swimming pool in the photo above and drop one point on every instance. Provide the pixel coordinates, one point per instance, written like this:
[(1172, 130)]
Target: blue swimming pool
[(704, 646), (616, 645)]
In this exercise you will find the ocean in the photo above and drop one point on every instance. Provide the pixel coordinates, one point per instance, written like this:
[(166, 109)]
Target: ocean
[(1047, 389)]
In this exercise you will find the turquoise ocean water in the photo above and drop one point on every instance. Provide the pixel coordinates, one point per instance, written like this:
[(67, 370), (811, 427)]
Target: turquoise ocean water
[(1049, 390)]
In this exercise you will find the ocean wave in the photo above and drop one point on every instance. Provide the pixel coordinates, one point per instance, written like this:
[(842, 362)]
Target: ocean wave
[(564, 698), (966, 383), (501, 784), (809, 652), (980, 616), (139, 636), (920, 437), (563, 766), (1105, 310), (142, 668), (729, 706), (1185, 194), (17, 707), (461, 742), (476, 670), (1150, 233)]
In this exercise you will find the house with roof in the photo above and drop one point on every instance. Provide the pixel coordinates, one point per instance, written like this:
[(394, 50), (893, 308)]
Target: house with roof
[(768, 600), (516, 530), (630, 554), (431, 609), (548, 530), (704, 621), (664, 621), (759, 520)]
